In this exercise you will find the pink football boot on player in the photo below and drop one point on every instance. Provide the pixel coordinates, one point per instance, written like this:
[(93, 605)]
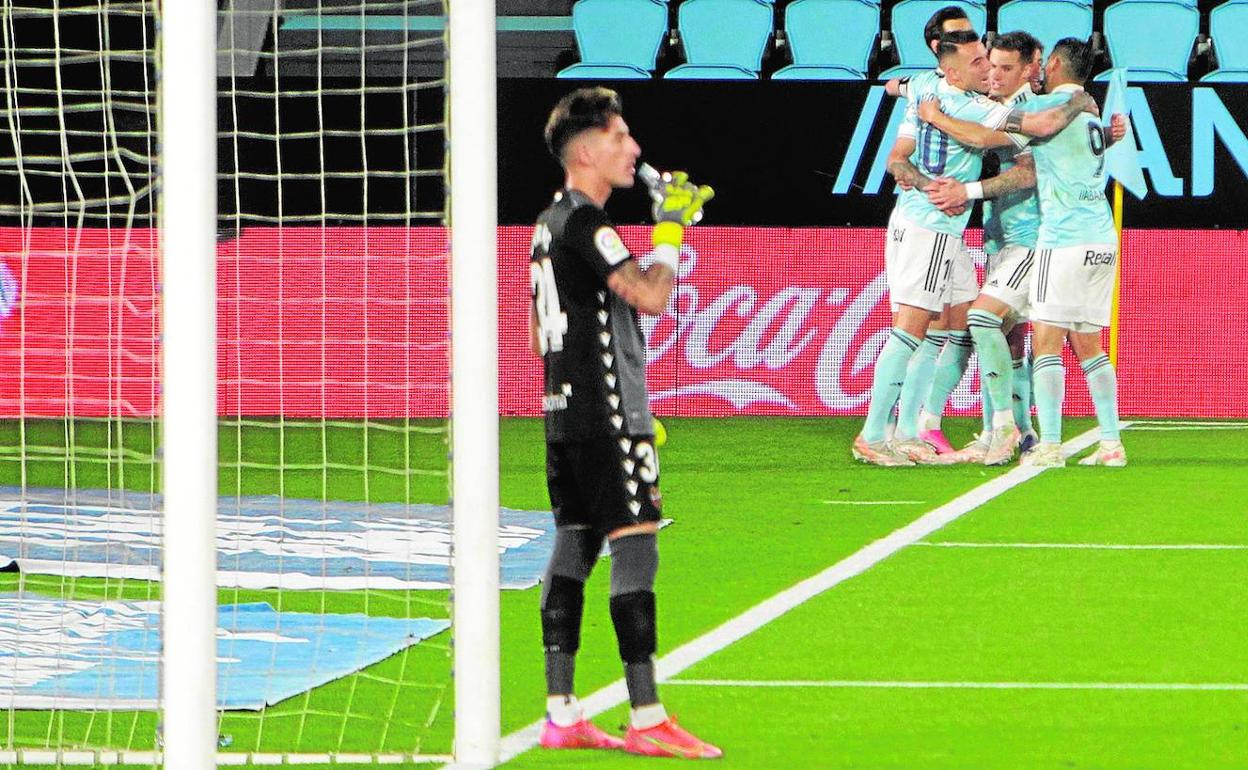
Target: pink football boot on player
[(582, 735), (668, 739), (936, 439)]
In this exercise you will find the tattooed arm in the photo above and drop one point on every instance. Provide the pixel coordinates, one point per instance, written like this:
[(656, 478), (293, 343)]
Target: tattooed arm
[(1050, 122), (950, 194), (646, 290), (902, 169)]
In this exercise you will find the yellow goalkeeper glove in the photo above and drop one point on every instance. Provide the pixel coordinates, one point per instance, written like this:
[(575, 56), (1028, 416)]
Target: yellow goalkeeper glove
[(680, 206)]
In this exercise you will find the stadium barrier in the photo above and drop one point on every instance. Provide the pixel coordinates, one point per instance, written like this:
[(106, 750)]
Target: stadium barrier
[(765, 320)]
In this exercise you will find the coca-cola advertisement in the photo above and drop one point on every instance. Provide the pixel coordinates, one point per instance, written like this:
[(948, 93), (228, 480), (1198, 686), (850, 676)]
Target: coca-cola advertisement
[(353, 322)]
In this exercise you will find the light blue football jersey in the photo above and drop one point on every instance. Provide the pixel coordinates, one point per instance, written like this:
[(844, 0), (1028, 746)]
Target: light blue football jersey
[(1014, 218), (936, 154), (917, 86), (1070, 179)]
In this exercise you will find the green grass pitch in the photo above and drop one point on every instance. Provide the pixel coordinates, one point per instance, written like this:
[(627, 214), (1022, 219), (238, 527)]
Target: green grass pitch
[(994, 643)]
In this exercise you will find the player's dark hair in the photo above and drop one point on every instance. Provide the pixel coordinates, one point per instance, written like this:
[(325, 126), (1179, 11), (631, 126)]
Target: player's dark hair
[(935, 26), (950, 41), (1076, 56), (581, 110), (1019, 42)]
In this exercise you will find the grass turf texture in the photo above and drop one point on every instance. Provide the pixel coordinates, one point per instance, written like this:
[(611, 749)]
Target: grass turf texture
[(748, 497)]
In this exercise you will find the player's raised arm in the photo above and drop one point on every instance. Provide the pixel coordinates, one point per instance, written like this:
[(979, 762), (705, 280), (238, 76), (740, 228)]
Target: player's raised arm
[(678, 205), (1116, 131), (963, 131), (1016, 125), (1050, 122), (950, 194)]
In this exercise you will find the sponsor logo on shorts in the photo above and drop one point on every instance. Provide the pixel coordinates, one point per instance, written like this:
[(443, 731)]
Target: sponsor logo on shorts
[(1091, 257), (899, 234)]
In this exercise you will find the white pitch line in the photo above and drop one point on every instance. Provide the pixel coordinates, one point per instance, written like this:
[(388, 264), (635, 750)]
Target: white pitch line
[(1096, 546), (874, 502), (1163, 428), (1190, 423), (910, 685), (765, 612)]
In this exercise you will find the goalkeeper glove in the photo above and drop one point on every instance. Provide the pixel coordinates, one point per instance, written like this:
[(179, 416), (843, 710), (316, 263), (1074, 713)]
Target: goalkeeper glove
[(678, 203)]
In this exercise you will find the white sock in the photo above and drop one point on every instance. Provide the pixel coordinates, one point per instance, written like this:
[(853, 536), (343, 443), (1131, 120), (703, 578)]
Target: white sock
[(564, 710), (928, 421), (648, 716)]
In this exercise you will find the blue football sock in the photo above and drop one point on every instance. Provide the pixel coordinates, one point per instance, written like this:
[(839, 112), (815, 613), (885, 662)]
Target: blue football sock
[(996, 375), (1049, 386), (890, 373), (1103, 386), (985, 402), (1022, 394), (949, 370), (918, 382)]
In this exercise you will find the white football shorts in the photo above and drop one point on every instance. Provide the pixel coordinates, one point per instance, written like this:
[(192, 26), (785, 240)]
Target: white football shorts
[(917, 262), (1009, 277), (963, 281), (1073, 286)]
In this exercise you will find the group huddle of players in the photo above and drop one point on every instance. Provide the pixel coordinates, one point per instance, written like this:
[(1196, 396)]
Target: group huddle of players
[(1050, 239)]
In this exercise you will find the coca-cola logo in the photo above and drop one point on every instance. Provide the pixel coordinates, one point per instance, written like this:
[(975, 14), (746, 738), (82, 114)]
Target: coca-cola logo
[(772, 338)]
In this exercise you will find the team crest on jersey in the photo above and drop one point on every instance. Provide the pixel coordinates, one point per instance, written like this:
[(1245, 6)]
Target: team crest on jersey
[(609, 245)]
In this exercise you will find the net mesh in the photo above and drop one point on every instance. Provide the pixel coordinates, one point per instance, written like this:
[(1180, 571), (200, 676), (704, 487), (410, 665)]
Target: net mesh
[(333, 531)]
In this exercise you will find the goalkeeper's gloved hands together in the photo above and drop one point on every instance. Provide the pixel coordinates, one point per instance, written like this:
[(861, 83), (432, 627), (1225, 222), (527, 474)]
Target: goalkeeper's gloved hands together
[(677, 206)]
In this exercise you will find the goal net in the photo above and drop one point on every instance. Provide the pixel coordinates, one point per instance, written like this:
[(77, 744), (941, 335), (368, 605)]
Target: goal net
[(333, 527)]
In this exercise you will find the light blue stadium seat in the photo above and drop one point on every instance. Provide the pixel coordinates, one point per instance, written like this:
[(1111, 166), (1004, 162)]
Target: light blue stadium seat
[(618, 39), (1228, 27), (830, 39), (1151, 38), (1048, 20), (723, 39), (908, 20)]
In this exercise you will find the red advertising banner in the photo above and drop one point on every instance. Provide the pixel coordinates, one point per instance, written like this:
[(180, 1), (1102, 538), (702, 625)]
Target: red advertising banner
[(352, 322)]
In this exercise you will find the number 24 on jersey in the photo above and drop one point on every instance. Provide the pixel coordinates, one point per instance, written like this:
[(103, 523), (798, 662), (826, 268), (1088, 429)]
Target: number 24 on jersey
[(552, 322)]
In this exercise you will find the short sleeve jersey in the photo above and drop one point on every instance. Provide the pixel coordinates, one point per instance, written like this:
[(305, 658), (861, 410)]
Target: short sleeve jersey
[(593, 352), (1070, 179), (1012, 219), (936, 154), (914, 89)]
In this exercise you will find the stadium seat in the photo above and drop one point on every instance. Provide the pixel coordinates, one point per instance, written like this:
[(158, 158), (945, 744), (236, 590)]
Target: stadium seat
[(723, 39), (830, 39), (1228, 28), (908, 19), (1151, 38), (1048, 20), (618, 39)]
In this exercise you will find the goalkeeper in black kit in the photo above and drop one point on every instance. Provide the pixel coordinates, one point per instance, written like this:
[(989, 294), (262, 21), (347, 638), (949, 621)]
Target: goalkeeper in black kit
[(602, 469)]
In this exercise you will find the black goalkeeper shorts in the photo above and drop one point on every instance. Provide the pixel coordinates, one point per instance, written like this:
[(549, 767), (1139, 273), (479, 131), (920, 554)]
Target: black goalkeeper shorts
[(604, 483)]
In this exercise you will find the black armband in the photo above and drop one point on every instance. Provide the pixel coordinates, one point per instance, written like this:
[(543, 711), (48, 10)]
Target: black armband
[(1013, 122)]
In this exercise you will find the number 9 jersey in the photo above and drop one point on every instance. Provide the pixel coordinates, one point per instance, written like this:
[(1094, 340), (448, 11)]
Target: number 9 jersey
[(592, 348)]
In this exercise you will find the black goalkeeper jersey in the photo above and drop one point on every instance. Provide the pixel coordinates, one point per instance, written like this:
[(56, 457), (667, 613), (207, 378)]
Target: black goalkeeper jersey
[(593, 352)]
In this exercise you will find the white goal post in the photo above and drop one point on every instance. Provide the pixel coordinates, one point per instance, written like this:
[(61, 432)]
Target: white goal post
[(188, 225)]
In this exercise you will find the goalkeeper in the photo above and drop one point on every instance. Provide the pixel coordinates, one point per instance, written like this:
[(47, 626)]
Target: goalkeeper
[(602, 469)]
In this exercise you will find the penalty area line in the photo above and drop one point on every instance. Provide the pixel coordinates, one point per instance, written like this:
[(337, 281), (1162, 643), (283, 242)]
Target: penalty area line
[(770, 609)]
